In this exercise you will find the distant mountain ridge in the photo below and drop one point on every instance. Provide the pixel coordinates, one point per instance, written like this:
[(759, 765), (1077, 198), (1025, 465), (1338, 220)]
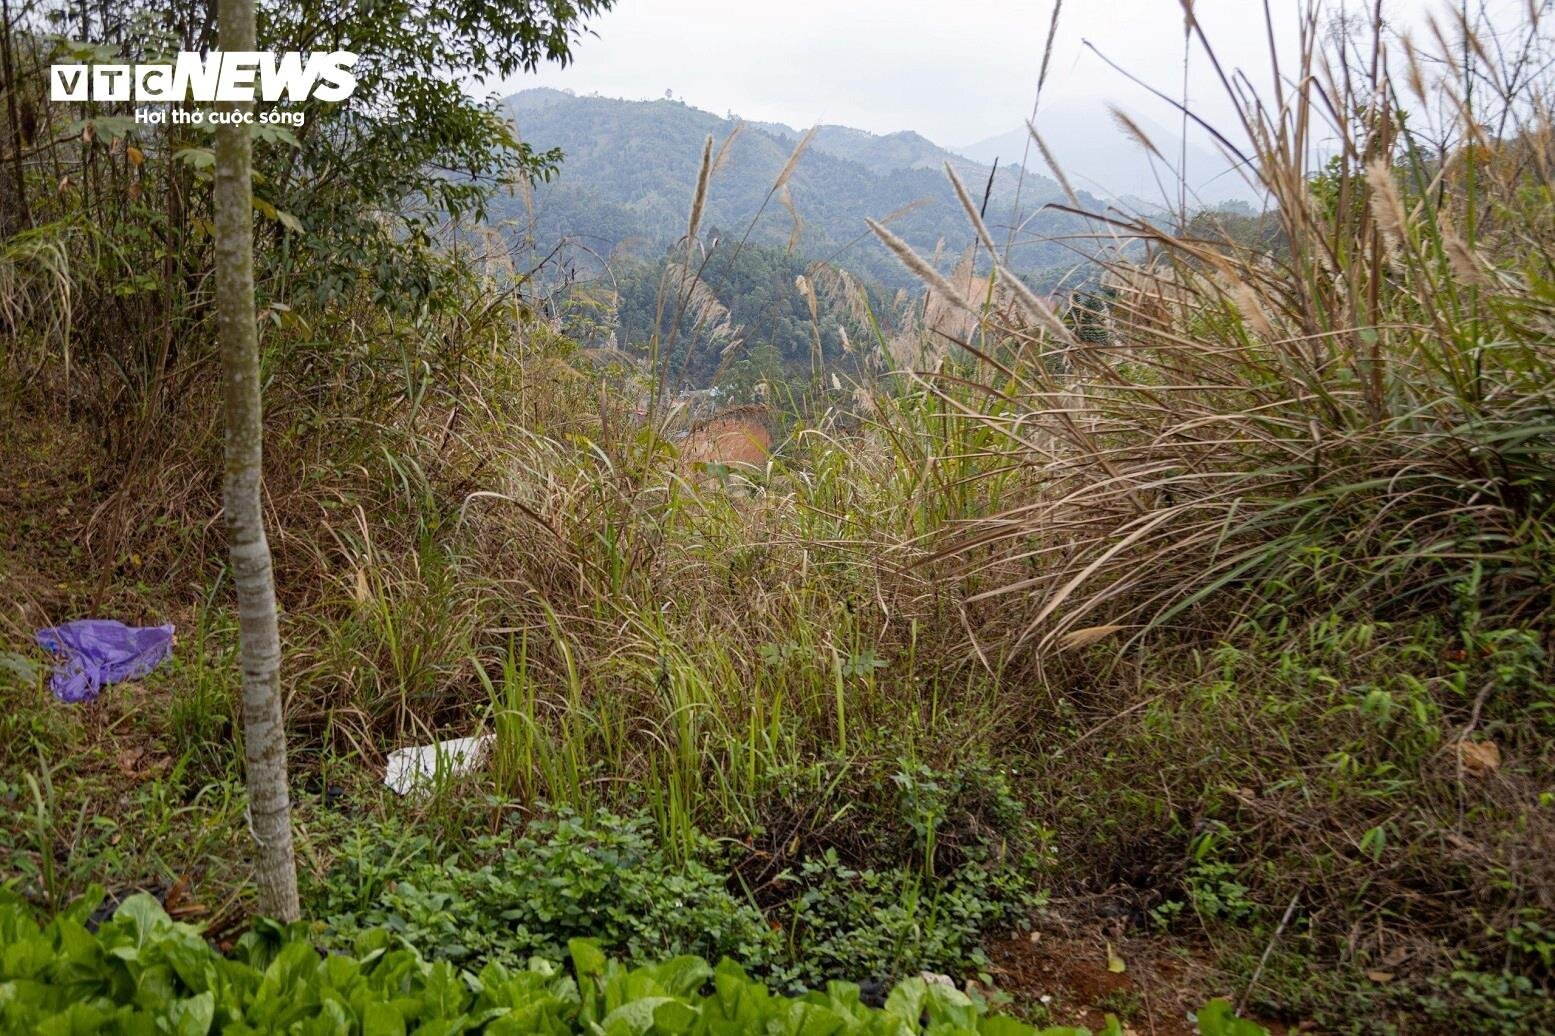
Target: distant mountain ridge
[(878, 152), (630, 168), (1099, 156)]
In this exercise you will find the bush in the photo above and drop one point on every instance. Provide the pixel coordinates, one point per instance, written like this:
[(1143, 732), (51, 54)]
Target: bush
[(888, 923)]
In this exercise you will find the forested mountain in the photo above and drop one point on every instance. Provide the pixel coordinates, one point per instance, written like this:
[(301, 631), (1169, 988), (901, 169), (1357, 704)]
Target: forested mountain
[(630, 168), (881, 154)]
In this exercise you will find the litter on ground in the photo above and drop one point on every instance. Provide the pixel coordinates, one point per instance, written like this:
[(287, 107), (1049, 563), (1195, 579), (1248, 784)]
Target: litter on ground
[(97, 652), (422, 765)]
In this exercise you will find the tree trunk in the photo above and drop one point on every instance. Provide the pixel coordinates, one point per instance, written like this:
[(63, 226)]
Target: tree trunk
[(13, 187), (259, 642)]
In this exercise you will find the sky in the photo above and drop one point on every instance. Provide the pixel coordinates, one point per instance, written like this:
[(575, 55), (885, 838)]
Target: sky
[(956, 72)]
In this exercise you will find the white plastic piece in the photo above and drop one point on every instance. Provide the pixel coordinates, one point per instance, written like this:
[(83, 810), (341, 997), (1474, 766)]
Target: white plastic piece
[(425, 765)]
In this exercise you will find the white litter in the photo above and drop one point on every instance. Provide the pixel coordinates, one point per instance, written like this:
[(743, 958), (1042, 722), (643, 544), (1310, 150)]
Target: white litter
[(425, 765)]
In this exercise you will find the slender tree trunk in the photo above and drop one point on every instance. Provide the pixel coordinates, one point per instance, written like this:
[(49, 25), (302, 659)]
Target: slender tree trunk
[(13, 186), (259, 642)]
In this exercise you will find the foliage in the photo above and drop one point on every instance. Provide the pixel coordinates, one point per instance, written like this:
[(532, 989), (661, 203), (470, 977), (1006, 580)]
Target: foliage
[(605, 878), (1221, 601), (1253, 433), (109, 252), (763, 291), (410, 145), (1271, 525), (509, 898), (1489, 1002), (888, 924), (141, 972)]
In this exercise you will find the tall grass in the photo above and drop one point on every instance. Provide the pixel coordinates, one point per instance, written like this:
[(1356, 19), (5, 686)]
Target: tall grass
[(1275, 536), (1377, 384)]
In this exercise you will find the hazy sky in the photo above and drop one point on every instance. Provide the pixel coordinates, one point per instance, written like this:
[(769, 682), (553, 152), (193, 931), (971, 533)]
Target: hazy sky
[(955, 71)]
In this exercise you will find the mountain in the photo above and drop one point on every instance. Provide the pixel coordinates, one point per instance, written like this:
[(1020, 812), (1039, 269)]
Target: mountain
[(879, 154), (1097, 155), (630, 167)]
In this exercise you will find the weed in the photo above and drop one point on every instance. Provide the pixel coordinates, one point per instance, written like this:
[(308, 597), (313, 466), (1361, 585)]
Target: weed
[(140, 971), (506, 899), (1125, 1003), (1223, 589), (846, 922)]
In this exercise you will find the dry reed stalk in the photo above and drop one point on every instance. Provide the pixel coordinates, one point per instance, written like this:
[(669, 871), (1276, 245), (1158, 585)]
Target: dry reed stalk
[(1131, 129), (700, 198), (970, 207), (793, 159), (726, 148), (1387, 209), (921, 267), (1053, 166)]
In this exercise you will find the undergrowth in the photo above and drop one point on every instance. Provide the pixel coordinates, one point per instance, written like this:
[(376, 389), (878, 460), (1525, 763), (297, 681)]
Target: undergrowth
[(141, 972), (1217, 613)]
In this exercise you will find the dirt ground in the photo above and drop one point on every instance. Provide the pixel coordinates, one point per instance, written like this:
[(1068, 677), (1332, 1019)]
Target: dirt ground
[(1079, 971)]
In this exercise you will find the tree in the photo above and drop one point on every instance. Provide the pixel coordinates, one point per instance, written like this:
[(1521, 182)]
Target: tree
[(259, 641), (374, 178), (365, 185), (13, 187)]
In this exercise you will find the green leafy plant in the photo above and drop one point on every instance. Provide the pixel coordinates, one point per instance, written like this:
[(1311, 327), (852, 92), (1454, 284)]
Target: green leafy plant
[(510, 898), (142, 972), (891, 923), (1489, 1002)]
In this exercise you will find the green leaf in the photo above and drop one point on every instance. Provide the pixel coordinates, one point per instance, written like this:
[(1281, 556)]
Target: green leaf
[(144, 916), (635, 1016), (192, 1016), (196, 157), (587, 958), (675, 1016), (906, 1000), (1216, 1018), (382, 1020), (271, 132)]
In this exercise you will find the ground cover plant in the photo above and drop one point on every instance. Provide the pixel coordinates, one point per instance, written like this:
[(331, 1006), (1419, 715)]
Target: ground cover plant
[(1191, 641), (142, 972)]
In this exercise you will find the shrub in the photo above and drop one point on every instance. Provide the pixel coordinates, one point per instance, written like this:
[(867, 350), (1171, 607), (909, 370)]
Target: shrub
[(889, 923)]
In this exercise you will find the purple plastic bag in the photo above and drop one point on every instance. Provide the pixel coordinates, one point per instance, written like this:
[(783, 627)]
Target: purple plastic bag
[(102, 651)]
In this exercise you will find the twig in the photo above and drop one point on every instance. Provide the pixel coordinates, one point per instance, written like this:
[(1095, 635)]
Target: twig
[(1279, 929), (1106, 723)]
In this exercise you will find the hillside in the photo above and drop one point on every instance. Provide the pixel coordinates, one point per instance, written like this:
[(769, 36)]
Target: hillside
[(630, 167), (414, 623)]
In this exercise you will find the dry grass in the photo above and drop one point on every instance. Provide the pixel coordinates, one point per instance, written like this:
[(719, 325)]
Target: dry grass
[(1374, 385)]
